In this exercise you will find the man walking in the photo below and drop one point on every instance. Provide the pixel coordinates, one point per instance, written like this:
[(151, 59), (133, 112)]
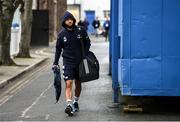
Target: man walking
[(106, 27), (69, 41), (96, 25), (86, 24)]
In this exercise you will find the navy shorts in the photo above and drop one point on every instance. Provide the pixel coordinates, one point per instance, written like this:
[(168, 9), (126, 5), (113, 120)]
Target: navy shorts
[(70, 72)]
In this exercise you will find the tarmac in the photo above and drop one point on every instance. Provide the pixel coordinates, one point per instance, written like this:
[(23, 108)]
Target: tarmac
[(9, 73)]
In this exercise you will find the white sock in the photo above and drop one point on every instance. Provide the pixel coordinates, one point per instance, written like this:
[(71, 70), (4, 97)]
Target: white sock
[(76, 99), (69, 102)]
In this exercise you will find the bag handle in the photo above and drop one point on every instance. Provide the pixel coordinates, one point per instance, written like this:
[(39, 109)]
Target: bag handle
[(82, 44)]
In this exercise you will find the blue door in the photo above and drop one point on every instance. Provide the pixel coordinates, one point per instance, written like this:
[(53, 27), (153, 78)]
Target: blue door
[(90, 16)]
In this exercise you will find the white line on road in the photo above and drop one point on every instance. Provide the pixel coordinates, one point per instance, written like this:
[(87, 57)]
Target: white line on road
[(35, 102), (8, 94), (5, 99), (47, 117)]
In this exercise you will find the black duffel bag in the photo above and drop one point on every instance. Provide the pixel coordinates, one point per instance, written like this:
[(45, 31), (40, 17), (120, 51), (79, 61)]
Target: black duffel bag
[(89, 68)]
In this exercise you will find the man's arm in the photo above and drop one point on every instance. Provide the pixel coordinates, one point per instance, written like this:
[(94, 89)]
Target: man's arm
[(58, 50)]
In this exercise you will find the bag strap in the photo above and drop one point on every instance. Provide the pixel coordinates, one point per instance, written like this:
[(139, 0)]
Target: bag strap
[(82, 44)]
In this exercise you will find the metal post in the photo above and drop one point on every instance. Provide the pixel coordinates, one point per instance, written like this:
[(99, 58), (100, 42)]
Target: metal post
[(114, 48)]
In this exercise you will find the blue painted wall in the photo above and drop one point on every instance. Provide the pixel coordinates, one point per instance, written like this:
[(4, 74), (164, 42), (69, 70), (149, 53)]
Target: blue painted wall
[(149, 47)]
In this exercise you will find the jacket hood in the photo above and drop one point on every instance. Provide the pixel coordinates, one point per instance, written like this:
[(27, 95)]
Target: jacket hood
[(66, 16)]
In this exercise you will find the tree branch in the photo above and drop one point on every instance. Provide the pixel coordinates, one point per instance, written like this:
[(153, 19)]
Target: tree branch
[(1, 3)]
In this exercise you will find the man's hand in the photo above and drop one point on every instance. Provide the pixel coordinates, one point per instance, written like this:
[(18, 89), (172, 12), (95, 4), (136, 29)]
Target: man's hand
[(55, 67)]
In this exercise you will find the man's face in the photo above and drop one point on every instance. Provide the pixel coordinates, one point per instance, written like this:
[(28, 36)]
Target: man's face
[(69, 23)]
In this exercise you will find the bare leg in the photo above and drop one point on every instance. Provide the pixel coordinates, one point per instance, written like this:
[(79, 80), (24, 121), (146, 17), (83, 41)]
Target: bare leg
[(69, 89), (69, 109), (77, 88)]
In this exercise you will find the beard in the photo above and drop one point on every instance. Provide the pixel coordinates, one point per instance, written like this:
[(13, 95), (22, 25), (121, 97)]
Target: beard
[(67, 26)]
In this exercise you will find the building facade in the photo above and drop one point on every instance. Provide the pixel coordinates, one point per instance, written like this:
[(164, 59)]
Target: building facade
[(89, 9)]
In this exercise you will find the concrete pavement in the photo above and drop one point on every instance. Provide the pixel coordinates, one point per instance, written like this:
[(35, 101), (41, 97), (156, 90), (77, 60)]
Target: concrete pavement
[(9, 73)]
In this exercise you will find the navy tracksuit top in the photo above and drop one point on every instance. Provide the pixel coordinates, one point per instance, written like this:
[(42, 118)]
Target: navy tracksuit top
[(69, 43)]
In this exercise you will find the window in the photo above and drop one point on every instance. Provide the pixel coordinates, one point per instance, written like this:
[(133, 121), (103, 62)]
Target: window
[(106, 13)]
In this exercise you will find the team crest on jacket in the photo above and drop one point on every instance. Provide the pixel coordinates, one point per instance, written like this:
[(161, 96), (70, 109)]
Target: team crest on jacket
[(78, 36), (65, 39)]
